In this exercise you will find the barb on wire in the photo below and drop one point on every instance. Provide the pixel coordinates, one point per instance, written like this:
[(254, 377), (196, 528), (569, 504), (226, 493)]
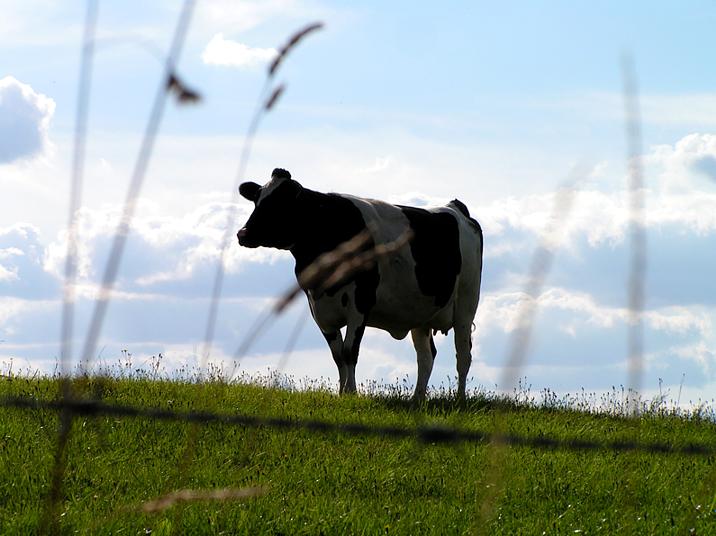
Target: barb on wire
[(430, 435), (637, 231)]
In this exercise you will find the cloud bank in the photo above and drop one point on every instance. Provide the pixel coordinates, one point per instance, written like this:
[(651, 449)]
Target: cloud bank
[(25, 117), (580, 335)]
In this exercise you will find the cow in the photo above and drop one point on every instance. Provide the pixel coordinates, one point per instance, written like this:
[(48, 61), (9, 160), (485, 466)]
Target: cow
[(430, 284)]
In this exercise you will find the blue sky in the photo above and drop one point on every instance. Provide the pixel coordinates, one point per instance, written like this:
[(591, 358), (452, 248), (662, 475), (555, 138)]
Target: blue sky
[(406, 102)]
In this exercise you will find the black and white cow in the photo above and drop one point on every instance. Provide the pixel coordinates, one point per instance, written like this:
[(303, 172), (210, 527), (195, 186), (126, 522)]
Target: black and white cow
[(431, 284)]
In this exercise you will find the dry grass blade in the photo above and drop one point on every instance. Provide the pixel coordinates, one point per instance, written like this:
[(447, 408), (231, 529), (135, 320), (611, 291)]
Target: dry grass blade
[(291, 44), (317, 271), (637, 267), (336, 266), (50, 519), (80, 137), (363, 261), (190, 495), (540, 266), (291, 343), (637, 232), (519, 342), (135, 188), (326, 271), (263, 105), (274, 97)]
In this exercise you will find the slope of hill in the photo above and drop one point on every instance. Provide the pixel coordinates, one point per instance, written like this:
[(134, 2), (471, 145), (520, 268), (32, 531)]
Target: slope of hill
[(311, 481)]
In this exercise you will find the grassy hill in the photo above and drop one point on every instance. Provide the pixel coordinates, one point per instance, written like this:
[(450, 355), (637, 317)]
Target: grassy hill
[(331, 483)]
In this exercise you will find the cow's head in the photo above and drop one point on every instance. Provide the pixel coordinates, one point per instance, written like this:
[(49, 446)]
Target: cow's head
[(274, 220)]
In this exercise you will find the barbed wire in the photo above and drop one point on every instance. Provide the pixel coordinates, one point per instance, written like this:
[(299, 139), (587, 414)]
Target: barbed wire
[(427, 434)]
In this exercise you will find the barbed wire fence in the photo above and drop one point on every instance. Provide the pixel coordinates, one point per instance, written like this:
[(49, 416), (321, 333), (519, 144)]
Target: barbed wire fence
[(329, 270), (429, 435)]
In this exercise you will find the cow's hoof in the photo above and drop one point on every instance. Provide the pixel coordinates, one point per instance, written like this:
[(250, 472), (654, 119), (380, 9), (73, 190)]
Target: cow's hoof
[(417, 400)]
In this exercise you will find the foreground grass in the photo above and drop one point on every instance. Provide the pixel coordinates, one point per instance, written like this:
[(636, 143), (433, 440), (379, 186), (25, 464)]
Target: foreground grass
[(336, 484)]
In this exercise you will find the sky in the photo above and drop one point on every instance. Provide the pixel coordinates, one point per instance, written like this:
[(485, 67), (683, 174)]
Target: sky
[(416, 103)]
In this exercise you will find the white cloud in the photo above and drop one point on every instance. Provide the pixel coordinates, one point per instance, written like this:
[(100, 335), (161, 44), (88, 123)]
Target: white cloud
[(503, 310), (7, 253), (12, 308), (381, 163), (220, 51), (21, 273), (677, 195), (24, 120), (700, 352), (179, 244), (7, 274)]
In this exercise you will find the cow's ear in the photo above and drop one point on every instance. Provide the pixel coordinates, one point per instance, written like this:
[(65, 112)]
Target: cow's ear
[(250, 191)]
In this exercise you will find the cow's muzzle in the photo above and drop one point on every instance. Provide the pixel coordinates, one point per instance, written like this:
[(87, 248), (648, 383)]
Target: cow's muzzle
[(244, 240)]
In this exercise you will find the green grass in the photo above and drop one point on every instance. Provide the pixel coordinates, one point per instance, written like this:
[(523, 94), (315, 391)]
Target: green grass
[(337, 484)]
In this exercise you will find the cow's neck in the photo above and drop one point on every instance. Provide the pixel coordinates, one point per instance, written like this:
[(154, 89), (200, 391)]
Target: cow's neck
[(326, 221)]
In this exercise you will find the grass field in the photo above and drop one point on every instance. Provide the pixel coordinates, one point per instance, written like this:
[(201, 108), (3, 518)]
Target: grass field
[(339, 484)]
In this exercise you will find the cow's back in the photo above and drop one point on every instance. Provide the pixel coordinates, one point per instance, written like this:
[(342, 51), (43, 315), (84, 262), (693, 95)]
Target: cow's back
[(418, 284)]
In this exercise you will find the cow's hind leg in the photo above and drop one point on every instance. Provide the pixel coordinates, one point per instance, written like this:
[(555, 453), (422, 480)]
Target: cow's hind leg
[(351, 347), (425, 350), (463, 348), (335, 343)]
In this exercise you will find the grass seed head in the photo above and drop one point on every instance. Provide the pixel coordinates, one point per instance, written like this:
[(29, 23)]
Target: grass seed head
[(291, 43), (274, 97), (183, 94)]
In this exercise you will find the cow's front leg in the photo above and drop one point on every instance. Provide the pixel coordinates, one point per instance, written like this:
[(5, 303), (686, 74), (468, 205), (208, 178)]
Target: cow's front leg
[(425, 350), (351, 347), (335, 343), (463, 348)]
